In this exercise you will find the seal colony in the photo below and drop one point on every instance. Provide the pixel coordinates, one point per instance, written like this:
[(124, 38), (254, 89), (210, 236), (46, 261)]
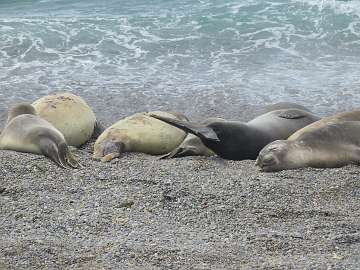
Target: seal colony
[(238, 141), (193, 146), (286, 136)]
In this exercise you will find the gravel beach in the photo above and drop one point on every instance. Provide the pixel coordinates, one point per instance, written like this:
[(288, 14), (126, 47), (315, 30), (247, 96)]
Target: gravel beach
[(226, 59), (139, 212)]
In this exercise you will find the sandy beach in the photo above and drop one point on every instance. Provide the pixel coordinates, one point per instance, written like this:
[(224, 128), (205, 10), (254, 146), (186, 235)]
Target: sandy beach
[(138, 212)]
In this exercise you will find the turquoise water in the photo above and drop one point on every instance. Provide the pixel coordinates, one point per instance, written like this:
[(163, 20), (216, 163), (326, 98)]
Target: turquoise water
[(256, 50)]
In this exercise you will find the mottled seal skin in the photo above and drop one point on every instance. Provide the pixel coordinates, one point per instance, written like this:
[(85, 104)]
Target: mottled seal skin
[(336, 118), (25, 131), (139, 133), (285, 105), (329, 145), (238, 141), (70, 114), (193, 146)]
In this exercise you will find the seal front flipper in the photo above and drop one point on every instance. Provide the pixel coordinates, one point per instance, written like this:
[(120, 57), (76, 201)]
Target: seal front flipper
[(178, 153), (293, 114), (199, 130), (169, 155), (49, 149), (110, 157)]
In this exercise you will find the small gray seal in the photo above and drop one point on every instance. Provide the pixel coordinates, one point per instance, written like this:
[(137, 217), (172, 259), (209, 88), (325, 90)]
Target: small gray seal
[(25, 131)]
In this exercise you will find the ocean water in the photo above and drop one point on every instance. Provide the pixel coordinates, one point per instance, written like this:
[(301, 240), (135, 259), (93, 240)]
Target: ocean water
[(147, 53)]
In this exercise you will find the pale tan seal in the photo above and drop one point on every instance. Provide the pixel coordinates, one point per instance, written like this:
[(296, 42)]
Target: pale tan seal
[(330, 145), (26, 132), (138, 133), (70, 114)]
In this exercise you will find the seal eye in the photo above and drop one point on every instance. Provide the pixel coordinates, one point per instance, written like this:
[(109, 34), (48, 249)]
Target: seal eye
[(268, 159), (273, 148)]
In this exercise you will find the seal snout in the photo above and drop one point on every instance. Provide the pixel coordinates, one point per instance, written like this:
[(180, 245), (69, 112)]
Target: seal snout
[(265, 161), (268, 160)]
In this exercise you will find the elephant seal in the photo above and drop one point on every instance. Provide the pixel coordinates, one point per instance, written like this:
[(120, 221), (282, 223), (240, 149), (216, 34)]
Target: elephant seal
[(139, 133), (70, 114), (236, 140), (26, 132), (326, 146), (193, 146), (274, 156)]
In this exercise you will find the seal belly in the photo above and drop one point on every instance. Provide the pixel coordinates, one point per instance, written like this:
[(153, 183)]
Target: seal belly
[(17, 142)]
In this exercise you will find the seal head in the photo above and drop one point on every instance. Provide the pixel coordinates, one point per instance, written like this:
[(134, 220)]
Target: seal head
[(20, 108), (276, 156)]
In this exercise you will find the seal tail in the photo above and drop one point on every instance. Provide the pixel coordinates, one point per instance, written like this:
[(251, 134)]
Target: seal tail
[(202, 131)]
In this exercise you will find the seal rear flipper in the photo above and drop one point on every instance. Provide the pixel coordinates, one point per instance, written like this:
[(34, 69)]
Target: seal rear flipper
[(66, 156), (72, 161), (98, 130), (49, 149), (355, 156), (202, 131)]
